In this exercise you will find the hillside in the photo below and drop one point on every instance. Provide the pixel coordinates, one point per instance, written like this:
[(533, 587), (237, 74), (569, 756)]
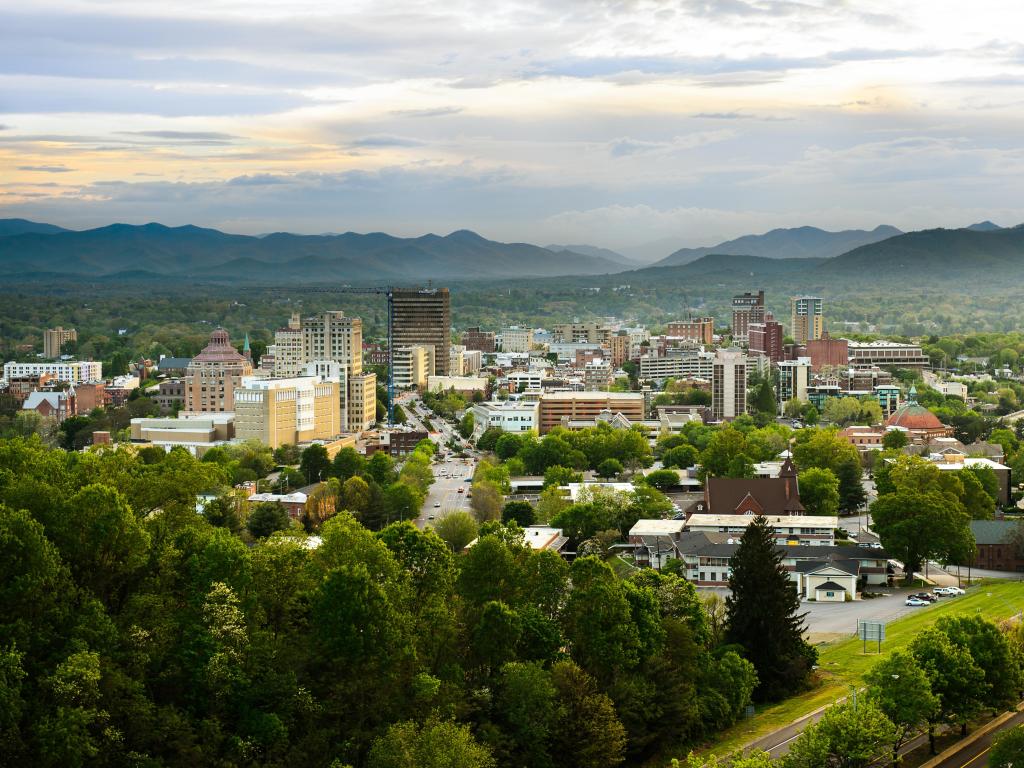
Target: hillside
[(938, 254), (797, 243), (195, 252), (24, 226)]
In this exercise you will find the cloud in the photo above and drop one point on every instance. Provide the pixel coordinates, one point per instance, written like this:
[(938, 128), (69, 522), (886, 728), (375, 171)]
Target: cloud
[(625, 147), (387, 141), (722, 116), (222, 138), (429, 112), (45, 168)]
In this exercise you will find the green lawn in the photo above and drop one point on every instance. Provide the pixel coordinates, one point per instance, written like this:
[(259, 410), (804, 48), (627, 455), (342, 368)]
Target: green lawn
[(842, 663)]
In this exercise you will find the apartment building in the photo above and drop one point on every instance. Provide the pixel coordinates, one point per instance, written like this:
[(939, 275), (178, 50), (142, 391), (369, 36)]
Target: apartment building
[(72, 371), (807, 321), (287, 411), (747, 308), (334, 336), (411, 366), (701, 330), (584, 333), (422, 316), (578, 406), (361, 402), (794, 376), (214, 375), (729, 384), (54, 340), (478, 340), (289, 357), (678, 364), (618, 348), (516, 339), (597, 374), (765, 339)]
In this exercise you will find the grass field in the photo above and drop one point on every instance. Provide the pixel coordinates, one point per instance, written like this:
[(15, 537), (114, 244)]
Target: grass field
[(843, 663)]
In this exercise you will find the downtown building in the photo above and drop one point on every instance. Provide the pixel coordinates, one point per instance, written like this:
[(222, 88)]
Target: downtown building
[(72, 371), (747, 308), (764, 339), (54, 340), (807, 321), (422, 316), (729, 385), (288, 411), (335, 337), (700, 330), (214, 374), (476, 340)]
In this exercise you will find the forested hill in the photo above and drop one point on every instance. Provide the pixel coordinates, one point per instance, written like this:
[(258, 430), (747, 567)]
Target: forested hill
[(195, 253), (938, 254)]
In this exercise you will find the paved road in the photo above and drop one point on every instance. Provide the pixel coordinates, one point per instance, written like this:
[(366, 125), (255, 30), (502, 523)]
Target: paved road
[(976, 755), (449, 477)]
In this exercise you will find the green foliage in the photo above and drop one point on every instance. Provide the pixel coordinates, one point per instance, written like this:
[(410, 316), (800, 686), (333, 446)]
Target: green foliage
[(762, 614), (610, 468), (846, 736), (457, 529), (819, 491), (266, 518), (435, 744), (1007, 748), (314, 464), (519, 512), (894, 439), (662, 478)]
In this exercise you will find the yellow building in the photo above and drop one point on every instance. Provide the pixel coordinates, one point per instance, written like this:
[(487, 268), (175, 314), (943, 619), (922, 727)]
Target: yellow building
[(287, 411), (362, 402), (288, 351), (807, 322), (55, 338), (412, 366)]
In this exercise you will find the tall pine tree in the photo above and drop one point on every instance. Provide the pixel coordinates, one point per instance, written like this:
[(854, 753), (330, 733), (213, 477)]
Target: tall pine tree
[(762, 614)]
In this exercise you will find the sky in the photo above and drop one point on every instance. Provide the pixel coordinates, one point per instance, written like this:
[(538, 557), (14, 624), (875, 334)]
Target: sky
[(638, 125)]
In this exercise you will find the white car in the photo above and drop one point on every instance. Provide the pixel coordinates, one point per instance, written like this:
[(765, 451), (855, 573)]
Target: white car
[(916, 602), (437, 505), (948, 591)]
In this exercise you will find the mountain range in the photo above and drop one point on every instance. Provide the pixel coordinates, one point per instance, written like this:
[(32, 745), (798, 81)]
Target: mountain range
[(195, 253), (35, 251), (795, 243)]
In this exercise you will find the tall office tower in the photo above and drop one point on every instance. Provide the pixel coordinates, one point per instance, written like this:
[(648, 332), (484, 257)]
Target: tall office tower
[(807, 321), (794, 376), (55, 338), (473, 339), (423, 316), (214, 375), (747, 308), (333, 336), (288, 356), (729, 385), (765, 339)]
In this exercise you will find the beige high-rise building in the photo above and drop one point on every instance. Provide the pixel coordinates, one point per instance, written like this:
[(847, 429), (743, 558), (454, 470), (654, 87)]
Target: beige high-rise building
[(288, 355), (287, 411), (618, 348), (362, 402), (807, 321), (729, 385), (516, 339), (423, 316), (412, 365), (333, 336), (214, 375), (583, 333), (55, 338)]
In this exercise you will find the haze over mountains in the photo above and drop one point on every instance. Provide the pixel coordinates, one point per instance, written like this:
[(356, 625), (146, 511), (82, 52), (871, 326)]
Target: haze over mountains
[(36, 251)]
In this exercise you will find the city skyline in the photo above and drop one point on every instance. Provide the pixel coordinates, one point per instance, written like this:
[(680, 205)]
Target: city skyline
[(617, 124)]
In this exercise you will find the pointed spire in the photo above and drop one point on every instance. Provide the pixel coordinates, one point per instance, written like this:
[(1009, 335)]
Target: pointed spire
[(246, 349), (912, 395)]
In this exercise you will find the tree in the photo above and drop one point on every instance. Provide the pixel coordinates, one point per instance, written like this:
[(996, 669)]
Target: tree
[(841, 410), (287, 454), (347, 463), (819, 492), (762, 614), (466, 425), (763, 398), (724, 453), (355, 496), (266, 518), (401, 501), (991, 651), (314, 463), (957, 682), (793, 408), (682, 456), (899, 687), (525, 703), (381, 468), (587, 732), (1007, 748), (914, 525), (847, 736), (521, 512), (435, 744), (489, 438), (894, 440), (457, 529), (976, 500), (662, 478), (852, 495), (609, 468), (486, 501)]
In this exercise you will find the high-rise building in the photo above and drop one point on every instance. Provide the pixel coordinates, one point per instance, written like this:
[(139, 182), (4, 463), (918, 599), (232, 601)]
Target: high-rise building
[(765, 339), (287, 411), (597, 375), (747, 308), (333, 336), (807, 322), (516, 339), (794, 376), (701, 330), (729, 385), (411, 366), (618, 348), (827, 352), (54, 340), (214, 375), (585, 333), (289, 358), (423, 316), (473, 339), (362, 402)]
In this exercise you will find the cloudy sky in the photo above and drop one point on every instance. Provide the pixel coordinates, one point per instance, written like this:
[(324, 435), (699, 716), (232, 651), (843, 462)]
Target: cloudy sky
[(620, 123)]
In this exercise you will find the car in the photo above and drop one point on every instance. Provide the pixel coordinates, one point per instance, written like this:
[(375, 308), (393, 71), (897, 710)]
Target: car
[(949, 591), (916, 602), (926, 596), (430, 517), (437, 505), (462, 490)]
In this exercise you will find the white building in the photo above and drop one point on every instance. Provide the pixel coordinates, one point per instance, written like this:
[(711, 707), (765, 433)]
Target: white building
[(520, 381), (507, 415), (72, 371), (789, 529), (686, 364), (794, 376), (411, 366)]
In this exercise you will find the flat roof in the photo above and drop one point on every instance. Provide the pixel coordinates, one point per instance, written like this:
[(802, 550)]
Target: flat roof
[(778, 521), (657, 527)]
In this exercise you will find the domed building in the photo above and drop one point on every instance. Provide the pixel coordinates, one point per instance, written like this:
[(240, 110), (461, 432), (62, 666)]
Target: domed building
[(214, 375), (920, 424)]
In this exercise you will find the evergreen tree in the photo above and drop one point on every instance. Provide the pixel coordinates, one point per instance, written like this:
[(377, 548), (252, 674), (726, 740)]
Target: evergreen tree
[(762, 614)]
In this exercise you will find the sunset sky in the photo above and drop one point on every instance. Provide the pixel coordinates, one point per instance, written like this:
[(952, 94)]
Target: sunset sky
[(625, 124)]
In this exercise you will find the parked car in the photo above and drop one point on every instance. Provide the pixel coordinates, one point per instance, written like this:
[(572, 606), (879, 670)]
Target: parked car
[(951, 591), (915, 601), (927, 597), (437, 505), (462, 490)]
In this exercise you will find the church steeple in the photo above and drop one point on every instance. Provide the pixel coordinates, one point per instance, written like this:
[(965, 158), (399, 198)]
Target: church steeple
[(246, 349)]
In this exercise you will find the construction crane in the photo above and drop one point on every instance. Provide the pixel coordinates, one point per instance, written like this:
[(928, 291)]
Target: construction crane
[(387, 291)]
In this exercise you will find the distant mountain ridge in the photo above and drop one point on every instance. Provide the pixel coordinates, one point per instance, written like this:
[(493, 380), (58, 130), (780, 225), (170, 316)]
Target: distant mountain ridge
[(593, 250), (200, 253), (794, 243)]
